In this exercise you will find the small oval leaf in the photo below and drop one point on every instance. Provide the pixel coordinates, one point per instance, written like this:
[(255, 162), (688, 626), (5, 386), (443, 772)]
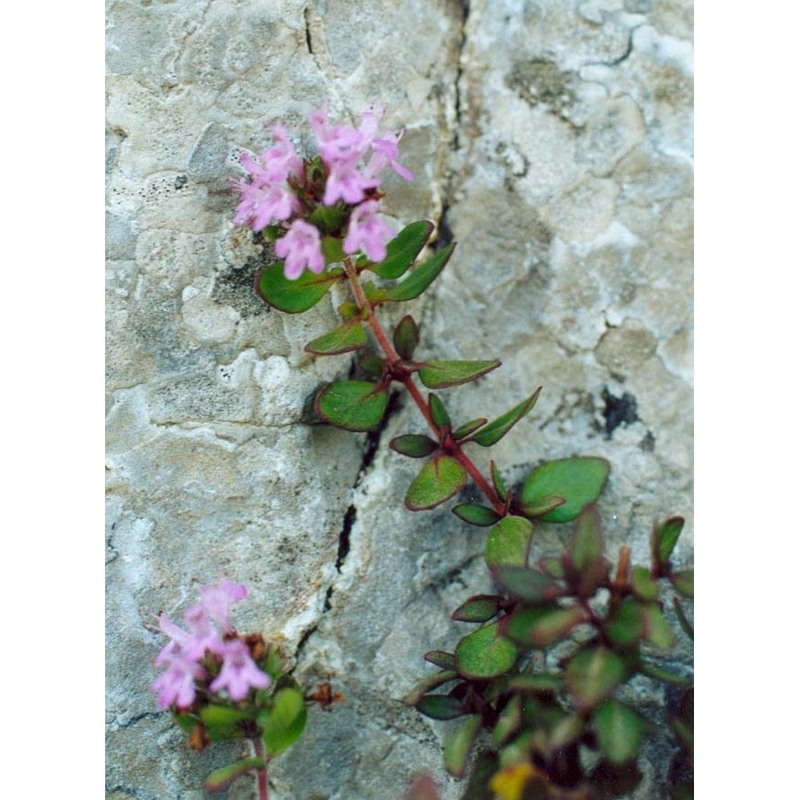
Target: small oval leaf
[(294, 296), (406, 337), (578, 480), (413, 445), (499, 427), (619, 731), (438, 412), (223, 777), (683, 582), (593, 674), (664, 538), (462, 431), (402, 251), (475, 514), (440, 706), (421, 277), (421, 688), (485, 653), (286, 721), (458, 743), (436, 482), (443, 374), (352, 405), (480, 608), (441, 658), (509, 542), (533, 627), (527, 584), (351, 336)]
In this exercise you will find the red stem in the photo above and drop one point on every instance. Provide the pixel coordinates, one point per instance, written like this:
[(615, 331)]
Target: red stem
[(391, 354), (263, 786)]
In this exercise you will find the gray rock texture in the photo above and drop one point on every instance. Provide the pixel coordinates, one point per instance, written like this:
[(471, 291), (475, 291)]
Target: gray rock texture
[(552, 140)]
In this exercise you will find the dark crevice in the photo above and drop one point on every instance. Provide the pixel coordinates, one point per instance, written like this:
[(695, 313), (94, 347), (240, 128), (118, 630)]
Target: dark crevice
[(309, 43), (344, 536), (463, 6)]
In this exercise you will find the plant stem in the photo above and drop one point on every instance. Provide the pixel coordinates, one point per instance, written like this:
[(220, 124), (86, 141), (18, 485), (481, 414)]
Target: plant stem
[(408, 381), (263, 786)]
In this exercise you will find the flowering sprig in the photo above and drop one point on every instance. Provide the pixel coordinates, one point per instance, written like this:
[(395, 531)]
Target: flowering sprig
[(294, 198), (542, 721), (221, 685)]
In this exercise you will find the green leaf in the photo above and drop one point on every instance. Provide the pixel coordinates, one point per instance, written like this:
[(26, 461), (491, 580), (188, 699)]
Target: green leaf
[(421, 277), (542, 683), (294, 296), (436, 482), (475, 514), (352, 405), (441, 659), (656, 629), (186, 722), (422, 687), (458, 743), (414, 445), (223, 723), (406, 337), (508, 542), (285, 721), (626, 624), (586, 547), (645, 586), (485, 653), (332, 250), (661, 674), (499, 427), (552, 566), (527, 584), (683, 619), (462, 431), (440, 706), (534, 627), (479, 608), (438, 412), (351, 336), (497, 480), (579, 480), (221, 778), (593, 674), (566, 731), (619, 731), (508, 721), (443, 374), (327, 218), (402, 251), (683, 582), (664, 538), (543, 505)]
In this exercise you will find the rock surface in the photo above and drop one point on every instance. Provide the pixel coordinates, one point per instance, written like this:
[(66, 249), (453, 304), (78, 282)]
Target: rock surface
[(553, 141)]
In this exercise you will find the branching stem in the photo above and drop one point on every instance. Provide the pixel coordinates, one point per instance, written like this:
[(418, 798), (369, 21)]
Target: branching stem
[(408, 381)]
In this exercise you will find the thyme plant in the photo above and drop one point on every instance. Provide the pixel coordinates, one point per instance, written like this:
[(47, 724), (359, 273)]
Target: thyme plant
[(537, 687)]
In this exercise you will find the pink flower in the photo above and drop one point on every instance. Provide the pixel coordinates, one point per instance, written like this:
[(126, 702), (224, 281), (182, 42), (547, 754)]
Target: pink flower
[(384, 155), (239, 672), (368, 232), (343, 145), (300, 248), (347, 183), (263, 203), (217, 599), (177, 685), (274, 165)]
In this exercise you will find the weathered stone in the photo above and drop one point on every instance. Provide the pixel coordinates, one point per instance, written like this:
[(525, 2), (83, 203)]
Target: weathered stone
[(553, 142)]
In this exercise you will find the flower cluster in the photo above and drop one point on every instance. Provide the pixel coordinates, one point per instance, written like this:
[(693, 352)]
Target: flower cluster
[(283, 189), (209, 655)]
